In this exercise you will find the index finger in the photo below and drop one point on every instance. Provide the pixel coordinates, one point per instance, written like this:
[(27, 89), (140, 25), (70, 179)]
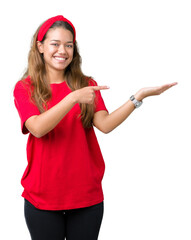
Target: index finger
[(97, 88)]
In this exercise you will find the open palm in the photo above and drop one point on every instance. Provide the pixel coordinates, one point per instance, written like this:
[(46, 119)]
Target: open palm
[(151, 91)]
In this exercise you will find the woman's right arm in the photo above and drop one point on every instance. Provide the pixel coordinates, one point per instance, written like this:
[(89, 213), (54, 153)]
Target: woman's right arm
[(39, 125)]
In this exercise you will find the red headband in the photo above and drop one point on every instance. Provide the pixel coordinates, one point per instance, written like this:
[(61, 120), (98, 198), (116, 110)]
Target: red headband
[(46, 25)]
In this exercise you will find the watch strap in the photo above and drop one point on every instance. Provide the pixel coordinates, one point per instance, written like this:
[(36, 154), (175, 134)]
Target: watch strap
[(136, 102)]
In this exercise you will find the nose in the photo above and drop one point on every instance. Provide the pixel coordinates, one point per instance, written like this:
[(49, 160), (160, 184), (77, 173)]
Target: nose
[(61, 49)]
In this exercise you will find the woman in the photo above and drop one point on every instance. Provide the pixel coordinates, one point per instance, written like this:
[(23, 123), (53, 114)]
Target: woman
[(59, 105)]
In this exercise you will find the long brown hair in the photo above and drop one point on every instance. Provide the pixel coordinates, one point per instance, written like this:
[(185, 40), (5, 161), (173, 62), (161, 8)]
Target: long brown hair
[(75, 79)]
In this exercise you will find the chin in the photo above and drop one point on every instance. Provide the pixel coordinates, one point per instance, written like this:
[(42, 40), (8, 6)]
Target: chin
[(60, 68)]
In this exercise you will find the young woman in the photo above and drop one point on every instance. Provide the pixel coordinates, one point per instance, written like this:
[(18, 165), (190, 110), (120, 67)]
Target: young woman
[(59, 105)]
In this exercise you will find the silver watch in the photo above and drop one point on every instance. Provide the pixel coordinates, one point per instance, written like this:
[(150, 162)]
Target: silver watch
[(136, 102)]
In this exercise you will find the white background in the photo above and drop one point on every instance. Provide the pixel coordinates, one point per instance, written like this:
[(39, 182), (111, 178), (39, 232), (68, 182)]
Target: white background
[(126, 45)]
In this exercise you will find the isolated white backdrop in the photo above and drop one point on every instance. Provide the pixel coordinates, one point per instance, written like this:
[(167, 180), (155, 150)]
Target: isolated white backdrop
[(126, 45)]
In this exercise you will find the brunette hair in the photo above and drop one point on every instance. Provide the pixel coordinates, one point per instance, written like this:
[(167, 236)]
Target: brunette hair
[(75, 79)]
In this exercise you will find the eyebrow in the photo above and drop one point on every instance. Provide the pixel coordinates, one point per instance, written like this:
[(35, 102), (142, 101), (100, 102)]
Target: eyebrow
[(59, 41)]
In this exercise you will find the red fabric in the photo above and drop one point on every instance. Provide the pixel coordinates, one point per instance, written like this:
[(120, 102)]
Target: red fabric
[(65, 167), (48, 23)]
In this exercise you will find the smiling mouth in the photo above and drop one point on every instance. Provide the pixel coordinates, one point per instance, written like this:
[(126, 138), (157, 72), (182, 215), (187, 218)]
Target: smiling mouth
[(60, 59)]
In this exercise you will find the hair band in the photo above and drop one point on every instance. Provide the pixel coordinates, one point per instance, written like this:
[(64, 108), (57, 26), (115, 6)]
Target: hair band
[(48, 23)]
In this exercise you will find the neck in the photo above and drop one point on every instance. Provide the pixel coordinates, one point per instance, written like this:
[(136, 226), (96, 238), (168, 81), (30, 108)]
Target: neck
[(55, 76)]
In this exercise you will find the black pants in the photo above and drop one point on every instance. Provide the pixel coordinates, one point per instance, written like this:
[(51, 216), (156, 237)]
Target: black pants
[(76, 224)]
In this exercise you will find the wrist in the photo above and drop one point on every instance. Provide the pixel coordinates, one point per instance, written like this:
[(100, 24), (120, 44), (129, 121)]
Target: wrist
[(139, 95), (73, 97), (136, 102)]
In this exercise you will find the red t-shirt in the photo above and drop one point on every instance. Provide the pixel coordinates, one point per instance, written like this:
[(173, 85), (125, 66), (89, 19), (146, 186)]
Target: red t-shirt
[(65, 166)]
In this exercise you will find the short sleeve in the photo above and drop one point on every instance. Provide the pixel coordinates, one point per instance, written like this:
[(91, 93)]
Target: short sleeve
[(25, 107), (99, 102)]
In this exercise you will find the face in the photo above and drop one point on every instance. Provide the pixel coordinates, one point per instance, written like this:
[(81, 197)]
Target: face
[(57, 49)]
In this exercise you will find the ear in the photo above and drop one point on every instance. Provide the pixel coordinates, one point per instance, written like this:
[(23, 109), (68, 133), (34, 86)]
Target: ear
[(40, 46)]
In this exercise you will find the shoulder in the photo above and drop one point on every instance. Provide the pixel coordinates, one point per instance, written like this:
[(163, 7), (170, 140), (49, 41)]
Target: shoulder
[(26, 82), (23, 85), (92, 82)]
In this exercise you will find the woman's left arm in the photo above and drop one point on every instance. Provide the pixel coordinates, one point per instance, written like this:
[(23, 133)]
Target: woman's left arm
[(106, 122)]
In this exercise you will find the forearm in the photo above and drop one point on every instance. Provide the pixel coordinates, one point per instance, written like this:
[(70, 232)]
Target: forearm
[(107, 122), (40, 125), (114, 119), (46, 121)]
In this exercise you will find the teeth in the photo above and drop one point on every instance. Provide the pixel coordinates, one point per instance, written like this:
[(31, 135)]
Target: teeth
[(60, 58)]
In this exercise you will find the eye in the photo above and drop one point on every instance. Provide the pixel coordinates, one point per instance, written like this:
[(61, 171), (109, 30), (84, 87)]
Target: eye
[(69, 46), (55, 44)]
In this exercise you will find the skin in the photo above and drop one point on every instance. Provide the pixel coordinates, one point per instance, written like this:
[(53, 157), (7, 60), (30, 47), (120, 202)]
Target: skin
[(39, 125), (58, 43)]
